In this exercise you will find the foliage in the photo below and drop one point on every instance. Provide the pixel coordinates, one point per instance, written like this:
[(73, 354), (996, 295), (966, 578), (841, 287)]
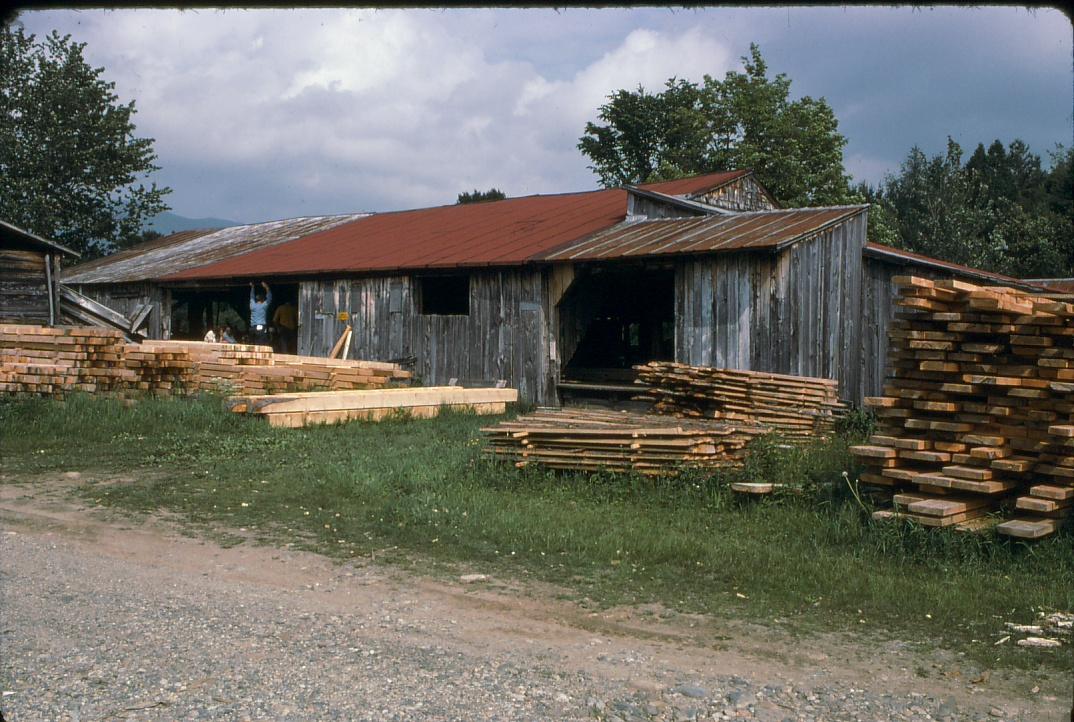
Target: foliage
[(70, 165), (746, 120), (419, 490), (476, 196), (999, 210)]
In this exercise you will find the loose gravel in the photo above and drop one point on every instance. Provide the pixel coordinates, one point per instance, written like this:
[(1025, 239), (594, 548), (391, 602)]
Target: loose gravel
[(138, 626)]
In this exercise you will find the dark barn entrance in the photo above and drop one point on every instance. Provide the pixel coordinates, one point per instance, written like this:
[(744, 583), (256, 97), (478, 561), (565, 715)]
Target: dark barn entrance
[(196, 310), (611, 319)]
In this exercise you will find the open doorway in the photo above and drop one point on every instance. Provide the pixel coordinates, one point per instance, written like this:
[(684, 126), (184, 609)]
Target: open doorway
[(196, 310), (612, 319)]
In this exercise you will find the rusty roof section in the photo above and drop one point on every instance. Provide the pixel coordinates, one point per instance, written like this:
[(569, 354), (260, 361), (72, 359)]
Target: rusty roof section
[(193, 249), (898, 255), (770, 230), (497, 233)]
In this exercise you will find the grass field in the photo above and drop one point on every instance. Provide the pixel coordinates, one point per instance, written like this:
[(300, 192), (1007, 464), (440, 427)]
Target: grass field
[(418, 492)]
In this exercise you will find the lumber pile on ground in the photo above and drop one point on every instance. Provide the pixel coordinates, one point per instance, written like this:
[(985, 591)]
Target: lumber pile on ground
[(295, 410), (592, 440), (978, 411), (795, 406), (47, 361), (52, 361)]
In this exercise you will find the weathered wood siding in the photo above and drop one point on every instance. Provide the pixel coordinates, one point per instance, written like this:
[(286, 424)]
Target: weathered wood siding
[(878, 309), (505, 336), (743, 194), (795, 312), (127, 298), (24, 287)]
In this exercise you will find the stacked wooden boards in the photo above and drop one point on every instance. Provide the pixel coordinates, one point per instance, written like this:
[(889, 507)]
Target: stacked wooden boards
[(978, 412), (295, 410), (51, 361), (795, 406), (598, 440), (48, 361)]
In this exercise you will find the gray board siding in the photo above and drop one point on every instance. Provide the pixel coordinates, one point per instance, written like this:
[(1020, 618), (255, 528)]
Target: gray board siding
[(504, 336), (24, 286), (793, 312)]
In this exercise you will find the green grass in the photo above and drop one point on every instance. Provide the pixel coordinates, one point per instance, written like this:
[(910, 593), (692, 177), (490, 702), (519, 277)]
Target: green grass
[(420, 489)]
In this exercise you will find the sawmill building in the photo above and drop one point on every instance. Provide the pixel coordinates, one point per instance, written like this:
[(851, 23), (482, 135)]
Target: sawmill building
[(557, 294)]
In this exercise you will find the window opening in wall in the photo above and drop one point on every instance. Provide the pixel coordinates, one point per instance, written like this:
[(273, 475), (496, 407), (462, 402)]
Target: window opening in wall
[(444, 295)]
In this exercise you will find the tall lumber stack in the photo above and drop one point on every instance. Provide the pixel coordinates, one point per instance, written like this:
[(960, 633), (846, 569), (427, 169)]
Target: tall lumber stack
[(978, 412), (592, 440), (795, 406), (52, 361)]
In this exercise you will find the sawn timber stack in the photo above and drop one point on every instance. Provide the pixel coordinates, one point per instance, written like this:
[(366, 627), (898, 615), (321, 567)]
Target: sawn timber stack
[(592, 440), (795, 406), (295, 410), (978, 411)]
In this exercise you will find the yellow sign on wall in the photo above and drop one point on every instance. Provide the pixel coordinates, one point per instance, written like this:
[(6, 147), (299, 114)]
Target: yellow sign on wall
[(343, 316)]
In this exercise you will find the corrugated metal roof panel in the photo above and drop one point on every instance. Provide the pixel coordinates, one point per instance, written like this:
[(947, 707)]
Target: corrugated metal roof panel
[(507, 232), (890, 253), (192, 249), (709, 234)]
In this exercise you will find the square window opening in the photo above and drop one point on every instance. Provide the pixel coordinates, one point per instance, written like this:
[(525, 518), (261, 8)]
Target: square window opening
[(444, 295)]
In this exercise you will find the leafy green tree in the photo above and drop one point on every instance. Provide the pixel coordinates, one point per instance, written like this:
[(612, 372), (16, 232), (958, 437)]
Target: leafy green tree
[(746, 120), (476, 196), (71, 168), (999, 211)]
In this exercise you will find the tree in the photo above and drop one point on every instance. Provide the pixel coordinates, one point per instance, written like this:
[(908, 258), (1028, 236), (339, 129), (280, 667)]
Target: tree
[(71, 168), (492, 194), (746, 120), (1000, 211)]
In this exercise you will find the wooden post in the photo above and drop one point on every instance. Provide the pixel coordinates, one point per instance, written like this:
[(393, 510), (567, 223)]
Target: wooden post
[(51, 281)]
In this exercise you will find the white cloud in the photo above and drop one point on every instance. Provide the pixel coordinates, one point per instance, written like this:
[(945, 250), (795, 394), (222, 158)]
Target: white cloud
[(388, 108)]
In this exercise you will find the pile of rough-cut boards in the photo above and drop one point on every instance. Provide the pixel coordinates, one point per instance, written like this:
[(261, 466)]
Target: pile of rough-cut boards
[(592, 440), (978, 413), (795, 406), (51, 361), (294, 410), (248, 369)]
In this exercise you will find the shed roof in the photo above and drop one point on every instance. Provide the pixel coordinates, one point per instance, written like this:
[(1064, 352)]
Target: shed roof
[(770, 230), (495, 233), (898, 255), (192, 249), (14, 235)]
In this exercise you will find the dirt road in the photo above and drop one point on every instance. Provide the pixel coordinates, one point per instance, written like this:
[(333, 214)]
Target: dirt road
[(103, 618)]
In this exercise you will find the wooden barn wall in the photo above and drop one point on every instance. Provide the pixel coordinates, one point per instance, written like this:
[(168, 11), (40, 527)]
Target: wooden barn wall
[(24, 287), (878, 310), (505, 336), (741, 195), (650, 208), (796, 312), (127, 298)]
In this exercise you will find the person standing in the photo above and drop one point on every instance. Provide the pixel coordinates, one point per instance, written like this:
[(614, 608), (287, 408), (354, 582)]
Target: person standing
[(286, 322), (259, 306)]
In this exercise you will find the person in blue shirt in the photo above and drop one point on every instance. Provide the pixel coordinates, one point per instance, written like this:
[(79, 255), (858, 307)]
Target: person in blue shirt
[(259, 305)]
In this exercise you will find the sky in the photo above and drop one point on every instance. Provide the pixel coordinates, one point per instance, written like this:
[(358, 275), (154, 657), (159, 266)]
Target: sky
[(276, 113)]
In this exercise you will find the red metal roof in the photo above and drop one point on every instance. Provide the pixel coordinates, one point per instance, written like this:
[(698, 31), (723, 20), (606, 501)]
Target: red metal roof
[(898, 254), (707, 234), (508, 232)]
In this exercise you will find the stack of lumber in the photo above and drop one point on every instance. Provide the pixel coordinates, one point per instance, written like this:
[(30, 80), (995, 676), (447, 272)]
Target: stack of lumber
[(795, 406), (592, 440), (978, 411), (249, 369), (295, 410), (49, 361), (161, 371)]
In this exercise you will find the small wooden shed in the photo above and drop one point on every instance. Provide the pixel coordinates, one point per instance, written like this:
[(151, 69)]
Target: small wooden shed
[(29, 276)]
